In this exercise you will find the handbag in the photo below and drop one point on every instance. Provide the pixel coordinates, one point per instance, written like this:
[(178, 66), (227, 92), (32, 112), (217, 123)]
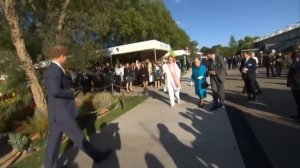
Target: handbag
[(151, 78), (205, 84)]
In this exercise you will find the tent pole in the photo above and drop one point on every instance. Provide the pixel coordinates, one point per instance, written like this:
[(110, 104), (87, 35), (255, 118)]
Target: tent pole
[(155, 55), (112, 79)]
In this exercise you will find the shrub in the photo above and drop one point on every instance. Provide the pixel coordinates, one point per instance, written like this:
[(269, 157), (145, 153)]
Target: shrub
[(102, 100), (16, 100), (18, 142), (37, 126)]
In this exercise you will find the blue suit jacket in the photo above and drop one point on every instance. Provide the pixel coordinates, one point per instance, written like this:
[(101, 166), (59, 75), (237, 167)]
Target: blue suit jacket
[(60, 96), (251, 66)]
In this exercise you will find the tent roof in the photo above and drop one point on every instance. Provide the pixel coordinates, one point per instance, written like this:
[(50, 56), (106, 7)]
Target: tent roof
[(136, 47)]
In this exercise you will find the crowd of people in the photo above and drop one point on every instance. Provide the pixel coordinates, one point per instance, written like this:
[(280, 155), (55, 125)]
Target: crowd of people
[(215, 67), (121, 76)]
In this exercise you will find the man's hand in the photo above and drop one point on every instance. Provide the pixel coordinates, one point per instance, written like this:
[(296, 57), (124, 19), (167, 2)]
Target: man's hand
[(212, 72), (245, 70)]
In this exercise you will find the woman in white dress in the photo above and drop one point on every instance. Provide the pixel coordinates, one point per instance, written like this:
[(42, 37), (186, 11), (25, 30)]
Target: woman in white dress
[(172, 74)]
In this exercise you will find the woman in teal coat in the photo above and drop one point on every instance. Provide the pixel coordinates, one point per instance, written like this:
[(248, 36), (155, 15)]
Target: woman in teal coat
[(199, 74)]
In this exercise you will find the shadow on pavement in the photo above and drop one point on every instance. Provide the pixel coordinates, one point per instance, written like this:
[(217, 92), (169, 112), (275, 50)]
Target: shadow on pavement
[(252, 152), (266, 136), (108, 139), (206, 149), (152, 161), (159, 97), (182, 155)]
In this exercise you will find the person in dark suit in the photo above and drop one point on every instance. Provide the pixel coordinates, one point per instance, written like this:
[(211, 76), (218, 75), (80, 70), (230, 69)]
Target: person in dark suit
[(62, 111), (269, 61), (279, 63), (216, 70), (243, 75), (293, 80), (249, 75)]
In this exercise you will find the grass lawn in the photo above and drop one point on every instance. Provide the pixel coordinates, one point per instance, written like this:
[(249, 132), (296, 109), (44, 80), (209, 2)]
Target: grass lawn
[(37, 159)]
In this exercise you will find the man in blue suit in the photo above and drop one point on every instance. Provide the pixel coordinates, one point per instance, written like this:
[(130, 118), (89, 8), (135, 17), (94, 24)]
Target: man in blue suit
[(62, 111), (248, 68)]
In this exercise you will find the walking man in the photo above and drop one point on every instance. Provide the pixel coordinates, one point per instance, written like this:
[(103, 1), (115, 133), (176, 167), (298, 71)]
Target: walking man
[(269, 61), (279, 63), (248, 69), (216, 70), (257, 87), (62, 111)]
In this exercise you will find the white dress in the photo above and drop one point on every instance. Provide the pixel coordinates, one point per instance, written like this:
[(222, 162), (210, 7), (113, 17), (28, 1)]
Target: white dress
[(170, 82)]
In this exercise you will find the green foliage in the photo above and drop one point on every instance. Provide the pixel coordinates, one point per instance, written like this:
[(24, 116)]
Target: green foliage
[(36, 126), (17, 97), (232, 42), (37, 144), (204, 49), (234, 48), (91, 25), (18, 142)]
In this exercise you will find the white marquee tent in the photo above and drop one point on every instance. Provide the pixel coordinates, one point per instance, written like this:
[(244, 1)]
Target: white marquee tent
[(151, 45)]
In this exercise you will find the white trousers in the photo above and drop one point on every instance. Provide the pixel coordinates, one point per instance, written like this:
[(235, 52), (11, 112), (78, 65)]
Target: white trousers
[(173, 92)]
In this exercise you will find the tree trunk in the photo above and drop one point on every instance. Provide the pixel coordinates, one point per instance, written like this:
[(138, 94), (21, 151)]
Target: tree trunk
[(61, 20), (23, 55)]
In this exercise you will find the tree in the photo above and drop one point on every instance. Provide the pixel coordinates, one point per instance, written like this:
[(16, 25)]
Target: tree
[(232, 42), (22, 53), (204, 49), (193, 46), (61, 20)]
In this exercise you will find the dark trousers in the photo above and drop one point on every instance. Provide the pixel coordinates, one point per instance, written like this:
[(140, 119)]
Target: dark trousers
[(278, 68), (229, 65), (218, 93), (268, 67), (73, 131), (257, 87), (250, 88), (118, 82), (296, 95)]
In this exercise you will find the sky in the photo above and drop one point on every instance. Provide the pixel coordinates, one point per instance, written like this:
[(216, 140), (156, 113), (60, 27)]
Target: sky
[(212, 22)]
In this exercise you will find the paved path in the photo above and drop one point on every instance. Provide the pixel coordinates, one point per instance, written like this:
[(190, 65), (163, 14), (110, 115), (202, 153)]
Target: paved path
[(154, 135), (275, 139)]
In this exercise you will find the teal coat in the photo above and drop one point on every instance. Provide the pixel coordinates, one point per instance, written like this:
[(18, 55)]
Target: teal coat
[(196, 72)]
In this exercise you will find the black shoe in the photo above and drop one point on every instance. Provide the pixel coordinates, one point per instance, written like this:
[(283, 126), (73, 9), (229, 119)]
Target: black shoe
[(258, 92), (221, 106), (102, 156), (213, 108)]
